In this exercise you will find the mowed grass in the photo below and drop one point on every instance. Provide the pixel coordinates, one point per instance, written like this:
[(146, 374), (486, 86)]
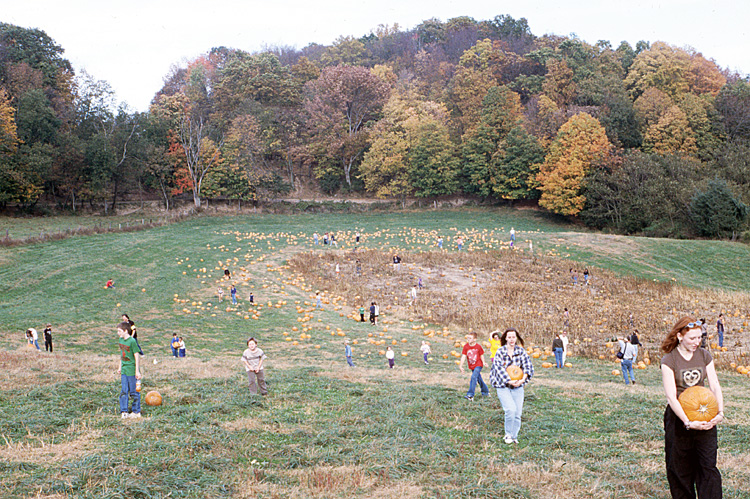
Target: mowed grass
[(324, 430)]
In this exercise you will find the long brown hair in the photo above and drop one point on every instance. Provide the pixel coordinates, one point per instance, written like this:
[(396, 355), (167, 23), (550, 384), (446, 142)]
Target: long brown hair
[(671, 341), (503, 339)]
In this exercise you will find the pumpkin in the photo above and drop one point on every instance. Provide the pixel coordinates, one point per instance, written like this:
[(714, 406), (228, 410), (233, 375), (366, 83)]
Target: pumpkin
[(153, 398), (699, 403), (514, 372), (546, 364)]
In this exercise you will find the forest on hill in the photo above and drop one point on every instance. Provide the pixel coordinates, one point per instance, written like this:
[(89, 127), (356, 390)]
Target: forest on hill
[(652, 139)]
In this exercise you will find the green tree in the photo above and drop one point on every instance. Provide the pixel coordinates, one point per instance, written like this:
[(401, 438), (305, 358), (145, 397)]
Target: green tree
[(716, 211), (518, 158)]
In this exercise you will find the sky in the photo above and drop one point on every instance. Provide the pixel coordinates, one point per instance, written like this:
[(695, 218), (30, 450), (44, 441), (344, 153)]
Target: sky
[(133, 44)]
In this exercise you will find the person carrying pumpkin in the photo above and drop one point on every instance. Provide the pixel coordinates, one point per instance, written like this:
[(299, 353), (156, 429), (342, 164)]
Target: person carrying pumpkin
[(175, 344), (511, 370), (690, 437)]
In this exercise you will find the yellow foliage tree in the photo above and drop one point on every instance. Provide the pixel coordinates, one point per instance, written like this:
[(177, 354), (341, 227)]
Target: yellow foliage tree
[(580, 143), (8, 136), (670, 135)]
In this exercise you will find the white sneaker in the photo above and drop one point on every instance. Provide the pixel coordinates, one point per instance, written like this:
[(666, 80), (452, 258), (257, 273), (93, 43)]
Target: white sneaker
[(515, 440), (508, 439), (135, 415), (124, 415)]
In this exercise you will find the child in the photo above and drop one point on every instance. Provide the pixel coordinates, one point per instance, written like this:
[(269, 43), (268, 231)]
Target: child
[(362, 313), (181, 347), (227, 274), (48, 338), (419, 283), (494, 343), (425, 348), (253, 359), (175, 345), (473, 353), (220, 292), (233, 291), (110, 284), (130, 371), (440, 242), (358, 268), (391, 356), (251, 297), (348, 352), (377, 312), (413, 295), (318, 301), (372, 313)]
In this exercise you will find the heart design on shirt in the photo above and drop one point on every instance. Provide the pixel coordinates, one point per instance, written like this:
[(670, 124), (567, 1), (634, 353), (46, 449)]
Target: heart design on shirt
[(691, 377)]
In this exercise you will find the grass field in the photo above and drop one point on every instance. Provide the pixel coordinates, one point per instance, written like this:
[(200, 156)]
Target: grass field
[(326, 430)]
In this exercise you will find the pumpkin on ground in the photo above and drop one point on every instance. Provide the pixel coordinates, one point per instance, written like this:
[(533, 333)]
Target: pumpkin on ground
[(514, 372), (699, 403), (153, 398), (546, 365)]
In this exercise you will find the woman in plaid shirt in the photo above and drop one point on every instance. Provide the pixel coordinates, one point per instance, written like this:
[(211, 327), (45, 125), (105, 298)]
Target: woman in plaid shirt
[(510, 392)]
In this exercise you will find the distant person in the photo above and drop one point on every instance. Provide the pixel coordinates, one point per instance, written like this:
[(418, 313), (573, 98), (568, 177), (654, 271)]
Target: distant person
[(175, 344), (356, 239), (419, 283), (557, 349), (473, 355), (586, 276), (358, 268), (233, 292), (566, 319), (253, 358), (372, 313), (494, 343), (32, 337), (181, 347), (220, 292), (227, 274), (635, 339), (348, 352), (512, 236), (426, 351), (720, 329), (565, 342), (130, 372), (251, 297), (440, 242), (110, 284), (48, 338), (629, 354), (316, 238), (362, 313), (391, 356), (396, 263), (413, 295), (318, 301), (690, 447), (377, 313), (460, 243)]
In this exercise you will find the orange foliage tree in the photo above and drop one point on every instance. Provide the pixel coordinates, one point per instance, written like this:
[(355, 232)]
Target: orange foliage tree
[(580, 143)]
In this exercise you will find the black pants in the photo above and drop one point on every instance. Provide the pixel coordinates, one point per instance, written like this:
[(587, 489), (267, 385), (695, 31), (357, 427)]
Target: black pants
[(361, 317), (691, 460), (48, 345)]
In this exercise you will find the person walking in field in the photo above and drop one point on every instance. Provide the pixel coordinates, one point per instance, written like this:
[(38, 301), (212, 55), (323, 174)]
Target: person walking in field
[(629, 354), (557, 349), (720, 329), (413, 295), (511, 392), (348, 352), (565, 341), (175, 344), (130, 372), (220, 292), (253, 358), (233, 292), (391, 356), (426, 351), (318, 301), (690, 447), (494, 343), (473, 355), (372, 313)]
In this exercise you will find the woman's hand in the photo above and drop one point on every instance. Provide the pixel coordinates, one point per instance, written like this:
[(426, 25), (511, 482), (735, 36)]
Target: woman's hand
[(701, 425)]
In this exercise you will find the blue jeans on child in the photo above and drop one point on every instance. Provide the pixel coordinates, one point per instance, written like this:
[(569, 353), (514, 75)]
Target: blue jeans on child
[(627, 371), (512, 401), (128, 390), (720, 332), (476, 376), (558, 356)]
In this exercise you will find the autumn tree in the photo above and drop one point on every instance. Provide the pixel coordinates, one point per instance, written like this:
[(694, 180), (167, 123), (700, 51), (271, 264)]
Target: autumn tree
[(8, 135), (580, 143), (341, 106)]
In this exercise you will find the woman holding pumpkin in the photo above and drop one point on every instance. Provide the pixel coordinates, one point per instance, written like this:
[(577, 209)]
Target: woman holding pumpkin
[(690, 444), (511, 370)]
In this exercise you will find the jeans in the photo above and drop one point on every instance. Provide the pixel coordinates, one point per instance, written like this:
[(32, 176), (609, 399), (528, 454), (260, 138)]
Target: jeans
[(476, 376), (127, 391), (174, 352), (627, 371), (720, 332), (349, 361), (558, 356), (234, 299), (691, 460), (425, 357), (36, 344), (512, 401)]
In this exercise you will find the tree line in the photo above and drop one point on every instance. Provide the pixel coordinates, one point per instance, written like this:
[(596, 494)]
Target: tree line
[(651, 139)]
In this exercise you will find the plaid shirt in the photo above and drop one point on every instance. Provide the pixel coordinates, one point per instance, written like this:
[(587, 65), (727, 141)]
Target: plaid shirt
[(498, 375)]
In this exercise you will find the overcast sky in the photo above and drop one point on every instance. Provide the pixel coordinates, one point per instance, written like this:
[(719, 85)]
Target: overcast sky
[(132, 44)]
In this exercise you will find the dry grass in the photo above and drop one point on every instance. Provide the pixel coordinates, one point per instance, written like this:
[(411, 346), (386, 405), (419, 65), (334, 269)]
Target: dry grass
[(486, 290), (50, 452)]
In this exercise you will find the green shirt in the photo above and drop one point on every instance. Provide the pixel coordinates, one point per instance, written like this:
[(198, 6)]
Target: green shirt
[(128, 347), (361, 310)]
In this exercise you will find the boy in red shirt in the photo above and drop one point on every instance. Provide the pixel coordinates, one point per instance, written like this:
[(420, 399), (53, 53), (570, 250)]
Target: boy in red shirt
[(473, 353)]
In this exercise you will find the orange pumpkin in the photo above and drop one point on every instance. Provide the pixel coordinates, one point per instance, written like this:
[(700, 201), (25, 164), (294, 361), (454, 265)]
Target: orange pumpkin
[(153, 398), (699, 403), (514, 372)]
